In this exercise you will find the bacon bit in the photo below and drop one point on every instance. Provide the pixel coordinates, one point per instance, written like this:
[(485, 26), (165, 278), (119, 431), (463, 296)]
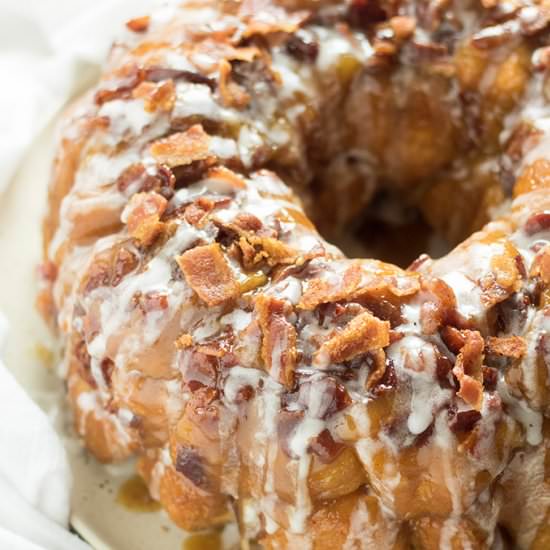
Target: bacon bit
[(183, 148), (139, 24), (159, 74), (163, 183), (144, 212), (362, 334), (231, 93), (197, 211), (464, 421), (125, 80), (278, 339), (269, 19), (439, 309), (208, 274), (325, 447), (454, 339), (359, 283), (157, 97), (153, 301), (506, 346), (468, 369), (257, 249), (490, 378), (109, 268), (184, 341), (248, 222), (302, 49), (388, 381), (130, 175)]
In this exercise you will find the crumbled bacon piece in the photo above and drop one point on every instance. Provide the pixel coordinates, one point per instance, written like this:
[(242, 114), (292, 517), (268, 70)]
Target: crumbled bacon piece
[(278, 339), (124, 81), (438, 307), (233, 95), (109, 268), (302, 48), (247, 222), (359, 284), (159, 74), (139, 24), (208, 274), (506, 346), (362, 334), (325, 447), (144, 213), (468, 369), (156, 97), (257, 249), (464, 421), (197, 211), (183, 148)]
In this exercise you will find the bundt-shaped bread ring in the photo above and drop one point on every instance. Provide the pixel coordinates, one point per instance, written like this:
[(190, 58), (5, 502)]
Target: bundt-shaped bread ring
[(258, 373)]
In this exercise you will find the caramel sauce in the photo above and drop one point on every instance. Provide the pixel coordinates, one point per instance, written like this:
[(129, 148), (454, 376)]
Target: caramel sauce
[(134, 495), (203, 541)]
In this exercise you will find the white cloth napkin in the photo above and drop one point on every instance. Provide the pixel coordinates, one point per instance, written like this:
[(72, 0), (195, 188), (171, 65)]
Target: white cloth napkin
[(49, 51)]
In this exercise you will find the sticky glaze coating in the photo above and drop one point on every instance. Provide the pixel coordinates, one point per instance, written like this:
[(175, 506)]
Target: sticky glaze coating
[(258, 373)]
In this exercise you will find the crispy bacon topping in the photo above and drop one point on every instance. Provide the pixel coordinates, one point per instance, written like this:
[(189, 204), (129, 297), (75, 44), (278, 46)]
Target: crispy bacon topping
[(257, 249), (468, 369), (278, 339), (439, 306), (159, 74), (208, 274), (362, 334), (144, 213), (506, 346), (157, 97), (183, 148), (233, 95), (359, 282)]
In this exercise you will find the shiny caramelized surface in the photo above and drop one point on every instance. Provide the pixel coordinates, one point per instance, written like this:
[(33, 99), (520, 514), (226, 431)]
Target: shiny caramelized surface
[(259, 374)]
